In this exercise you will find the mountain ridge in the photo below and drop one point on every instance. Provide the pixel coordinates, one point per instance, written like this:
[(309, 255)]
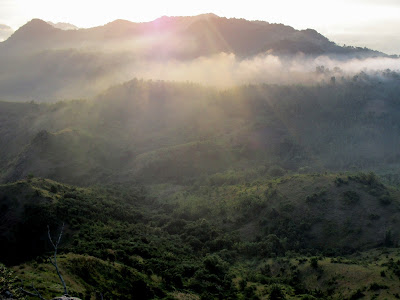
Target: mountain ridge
[(63, 25), (49, 64), (212, 34)]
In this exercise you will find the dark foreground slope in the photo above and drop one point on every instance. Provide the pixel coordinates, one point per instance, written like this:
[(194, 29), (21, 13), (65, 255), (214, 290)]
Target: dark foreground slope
[(158, 132), (215, 241)]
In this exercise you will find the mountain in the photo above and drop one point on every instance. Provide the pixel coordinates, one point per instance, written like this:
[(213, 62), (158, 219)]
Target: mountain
[(35, 34), (5, 32), (63, 26), (48, 64), (194, 36)]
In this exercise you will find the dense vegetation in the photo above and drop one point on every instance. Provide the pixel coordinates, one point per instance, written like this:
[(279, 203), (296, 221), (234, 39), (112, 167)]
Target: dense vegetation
[(176, 132), (236, 189), (180, 191), (220, 237)]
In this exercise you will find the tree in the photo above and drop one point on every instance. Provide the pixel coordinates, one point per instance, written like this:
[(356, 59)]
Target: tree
[(53, 261), (9, 284), (276, 293)]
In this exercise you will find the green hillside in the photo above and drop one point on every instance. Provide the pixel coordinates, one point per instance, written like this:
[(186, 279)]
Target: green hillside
[(222, 237), (134, 130), (180, 191)]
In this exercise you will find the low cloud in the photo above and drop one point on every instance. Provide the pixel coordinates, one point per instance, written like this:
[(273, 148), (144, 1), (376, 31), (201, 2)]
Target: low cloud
[(52, 76), (226, 70), (5, 32)]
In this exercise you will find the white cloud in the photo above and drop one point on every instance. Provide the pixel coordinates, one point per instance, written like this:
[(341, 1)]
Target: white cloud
[(5, 32)]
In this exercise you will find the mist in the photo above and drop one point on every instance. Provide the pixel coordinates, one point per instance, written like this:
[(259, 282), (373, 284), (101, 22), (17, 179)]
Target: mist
[(42, 63), (5, 32), (226, 70), (64, 74)]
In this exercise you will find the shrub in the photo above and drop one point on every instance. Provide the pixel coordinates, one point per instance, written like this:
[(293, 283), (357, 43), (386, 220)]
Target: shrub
[(385, 200), (340, 181), (53, 189), (351, 197), (316, 197), (308, 297), (266, 270), (357, 295), (373, 217), (314, 263), (9, 284), (276, 293), (250, 293), (215, 265), (388, 242), (276, 171), (376, 287)]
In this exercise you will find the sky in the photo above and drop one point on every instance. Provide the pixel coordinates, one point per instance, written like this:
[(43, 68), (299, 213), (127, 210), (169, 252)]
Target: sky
[(371, 23)]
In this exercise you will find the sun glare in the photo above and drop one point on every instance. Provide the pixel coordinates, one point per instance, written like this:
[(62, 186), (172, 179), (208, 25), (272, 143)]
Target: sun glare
[(333, 19), (302, 14)]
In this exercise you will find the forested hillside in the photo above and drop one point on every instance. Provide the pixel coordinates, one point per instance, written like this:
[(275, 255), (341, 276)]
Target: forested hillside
[(222, 238), (175, 132), (190, 191)]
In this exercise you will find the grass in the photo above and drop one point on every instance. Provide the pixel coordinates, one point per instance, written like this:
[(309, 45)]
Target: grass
[(251, 238), (315, 200), (335, 277)]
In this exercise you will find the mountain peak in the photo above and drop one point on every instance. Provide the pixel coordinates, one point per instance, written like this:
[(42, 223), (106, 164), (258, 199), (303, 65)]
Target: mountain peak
[(208, 15), (36, 26), (211, 33), (36, 29), (314, 34), (36, 23), (118, 22), (63, 26)]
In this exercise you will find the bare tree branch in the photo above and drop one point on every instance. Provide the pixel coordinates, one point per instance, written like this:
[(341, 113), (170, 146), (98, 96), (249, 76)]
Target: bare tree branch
[(54, 260), (50, 239), (37, 294)]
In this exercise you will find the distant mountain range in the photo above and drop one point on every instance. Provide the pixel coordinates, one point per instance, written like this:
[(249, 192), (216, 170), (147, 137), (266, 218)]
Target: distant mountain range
[(63, 26), (181, 37), (5, 32), (42, 62)]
